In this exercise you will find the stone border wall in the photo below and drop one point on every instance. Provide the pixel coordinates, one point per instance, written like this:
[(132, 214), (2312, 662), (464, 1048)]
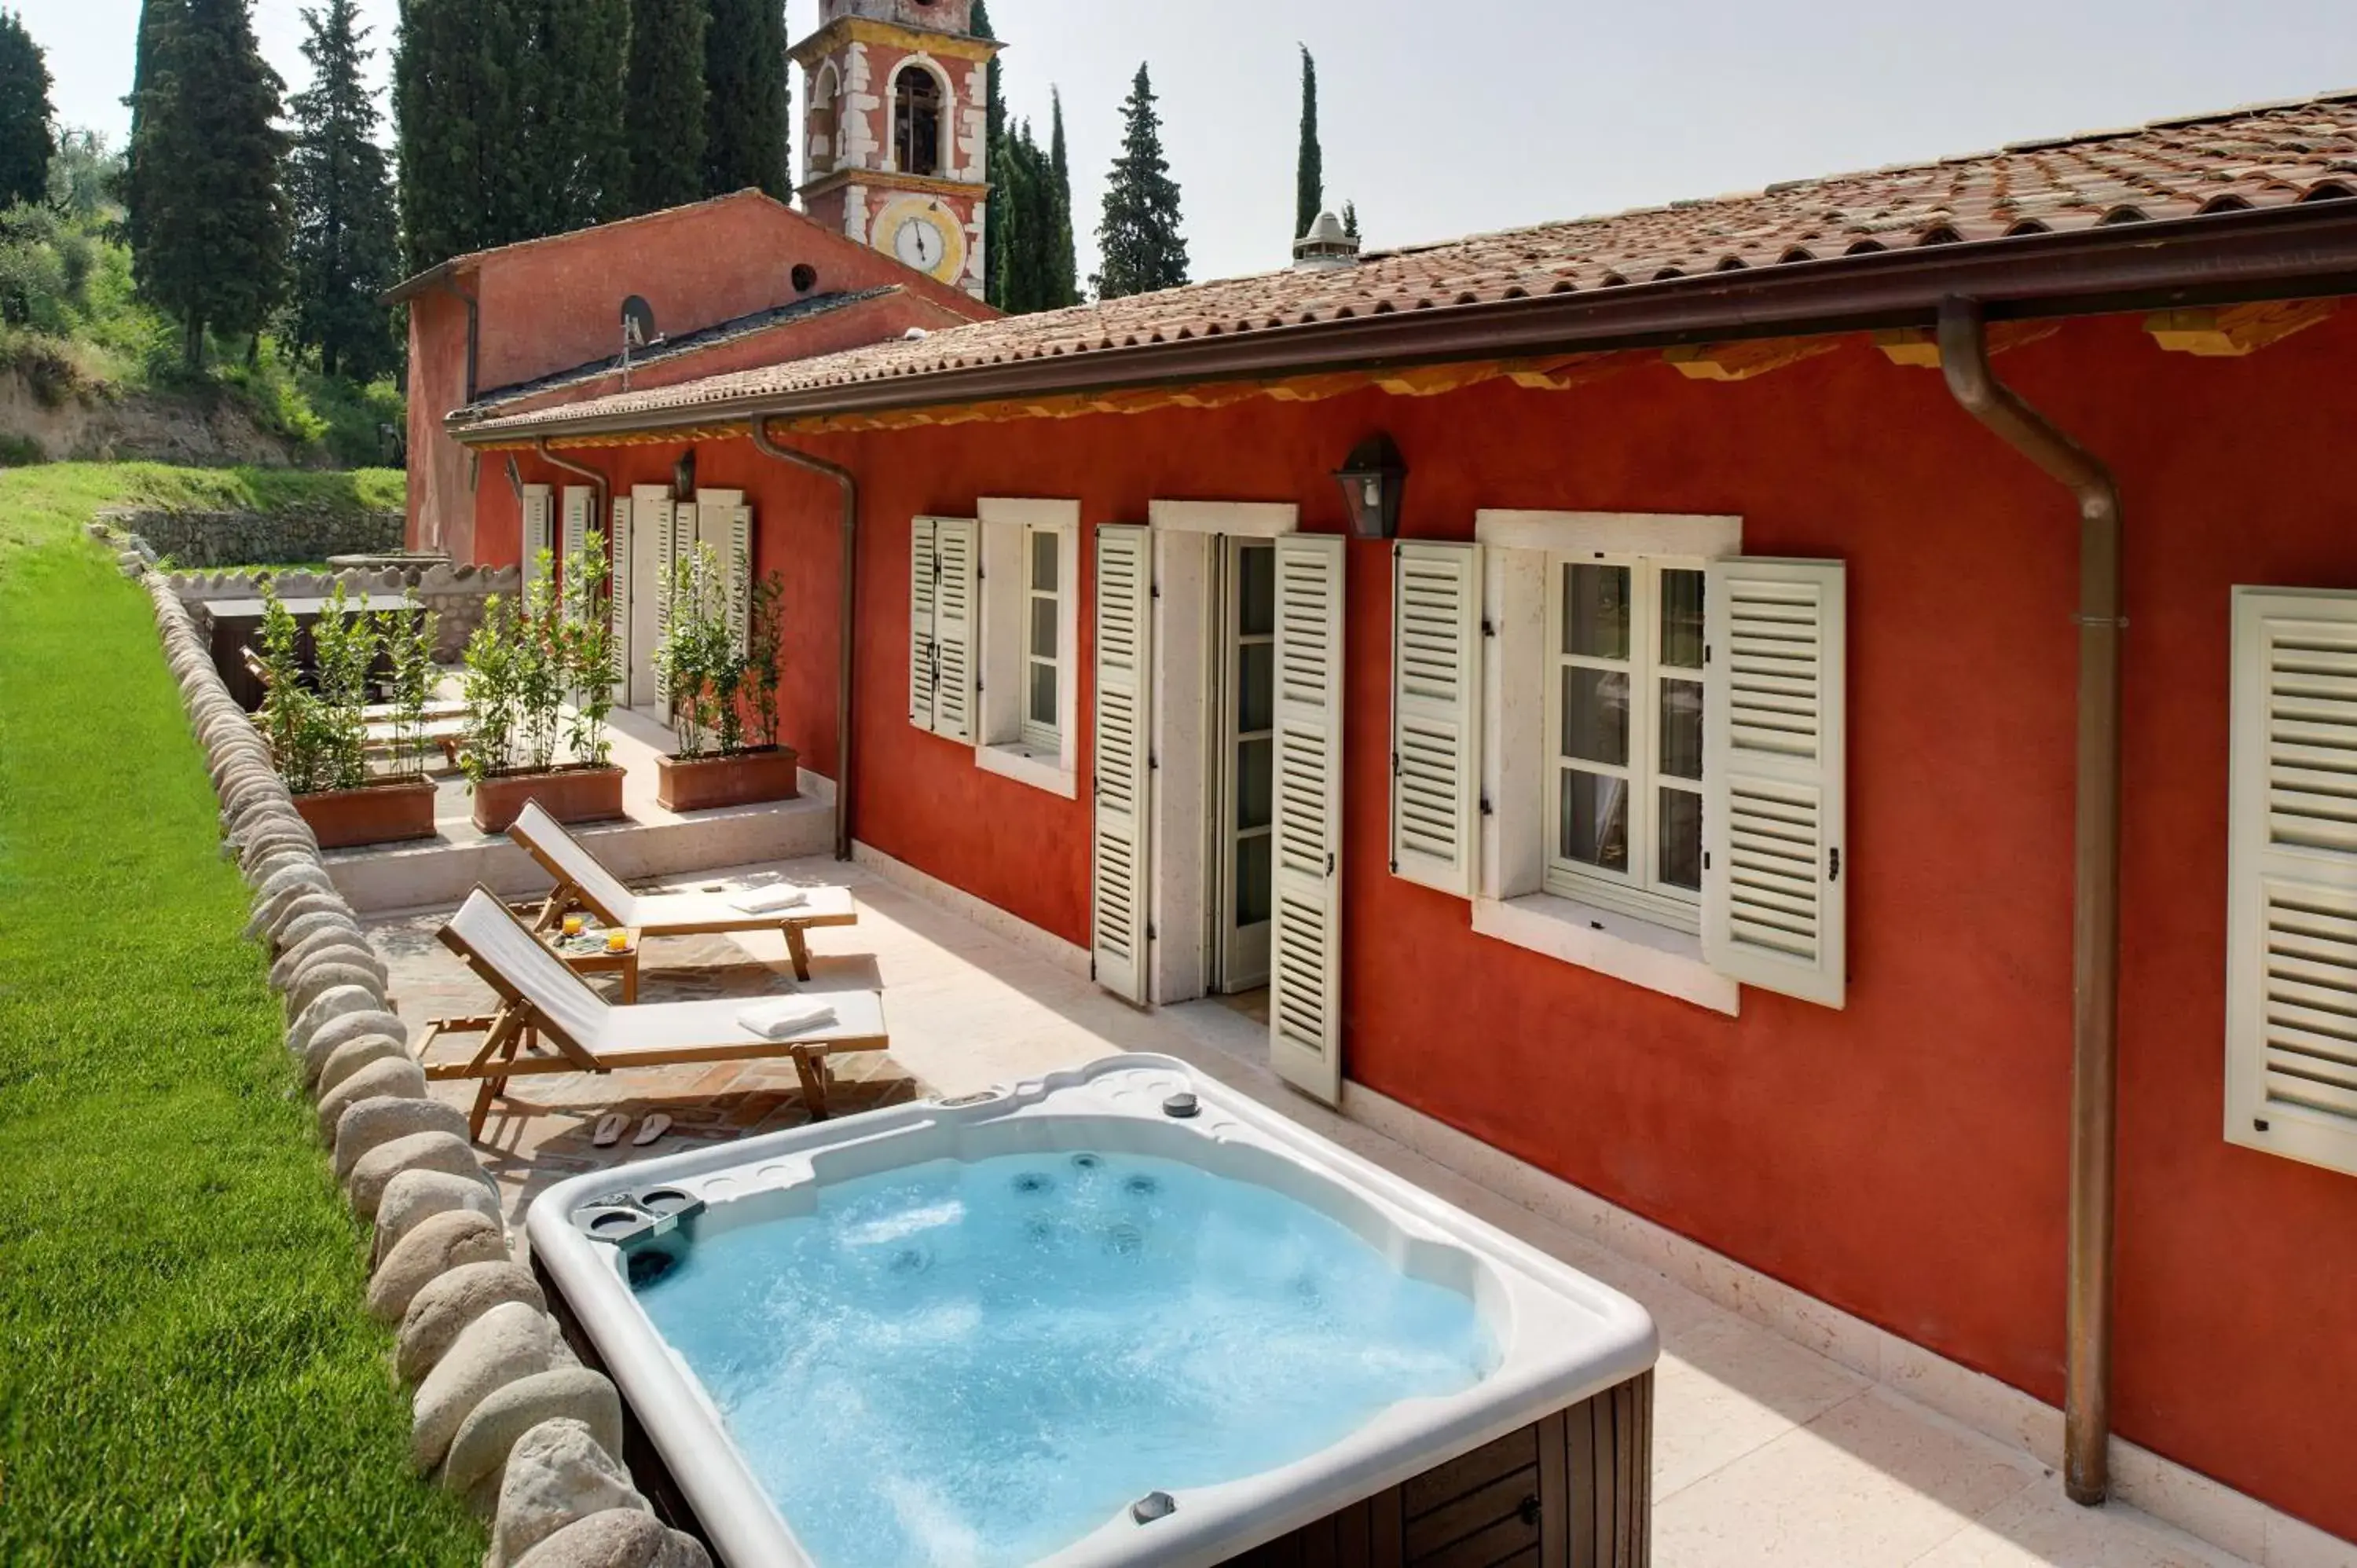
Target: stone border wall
[(455, 594), (238, 538), (503, 1413)]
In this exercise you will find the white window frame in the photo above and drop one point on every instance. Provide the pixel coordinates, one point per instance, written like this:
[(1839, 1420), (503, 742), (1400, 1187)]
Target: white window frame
[(1010, 744), (1638, 891), (1517, 901), (1044, 736)]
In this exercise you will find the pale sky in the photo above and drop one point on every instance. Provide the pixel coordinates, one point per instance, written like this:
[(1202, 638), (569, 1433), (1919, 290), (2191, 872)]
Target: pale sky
[(1442, 119)]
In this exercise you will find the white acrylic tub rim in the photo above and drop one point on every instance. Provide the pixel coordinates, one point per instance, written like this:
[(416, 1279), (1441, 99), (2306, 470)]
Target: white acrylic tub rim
[(1562, 1337)]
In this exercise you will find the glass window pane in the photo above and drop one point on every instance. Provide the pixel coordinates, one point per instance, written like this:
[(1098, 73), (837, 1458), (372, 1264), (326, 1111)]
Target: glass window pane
[(1256, 688), (1252, 880), (1682, 620), (1681, 846), (1257, 590), (1594, 820), (1043, 693), (1682, 729), (1596, 611), (1596, 714), (1043, 627), (1043, 560), (1255, 783)]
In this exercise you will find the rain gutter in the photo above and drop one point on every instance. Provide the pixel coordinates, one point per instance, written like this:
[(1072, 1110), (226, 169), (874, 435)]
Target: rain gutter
[(849, 576)]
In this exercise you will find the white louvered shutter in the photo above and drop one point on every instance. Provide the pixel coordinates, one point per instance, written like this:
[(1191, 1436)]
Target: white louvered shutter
[(1774, 898), (1306, 932), (1436, 714), (578, 501), (666, 522), (2291, 927), (617, 588), (537, 533), (1118, 889), (957, 588), (739, 566), (924, 567)]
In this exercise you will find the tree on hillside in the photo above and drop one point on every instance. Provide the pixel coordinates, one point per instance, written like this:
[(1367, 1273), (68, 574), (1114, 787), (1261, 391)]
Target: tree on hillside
[(572, 61), (747, 116), (217, 221), (1309, 171), (26, 141), (459, 128), (1143, 250), (347, 243), (663, 104), (1063, 271), (157, 19)]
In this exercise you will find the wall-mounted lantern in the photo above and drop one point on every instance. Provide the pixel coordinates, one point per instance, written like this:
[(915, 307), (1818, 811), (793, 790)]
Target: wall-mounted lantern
[(683, 476), (1373, 479)]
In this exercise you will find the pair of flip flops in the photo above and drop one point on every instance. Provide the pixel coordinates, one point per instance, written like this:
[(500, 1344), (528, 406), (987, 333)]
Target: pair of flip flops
[(610, 1127)]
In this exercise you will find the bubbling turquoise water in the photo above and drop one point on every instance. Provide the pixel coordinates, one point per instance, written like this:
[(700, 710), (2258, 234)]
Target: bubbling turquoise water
[(974, 1365)]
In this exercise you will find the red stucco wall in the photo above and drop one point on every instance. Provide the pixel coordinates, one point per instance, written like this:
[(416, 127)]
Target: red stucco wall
[(1903, 1158)]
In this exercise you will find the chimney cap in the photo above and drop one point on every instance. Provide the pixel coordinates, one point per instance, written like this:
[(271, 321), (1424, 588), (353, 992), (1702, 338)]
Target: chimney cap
[(1325, 245)]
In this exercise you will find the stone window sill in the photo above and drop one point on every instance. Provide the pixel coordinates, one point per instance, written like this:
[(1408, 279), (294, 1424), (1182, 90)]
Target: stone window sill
[(1622, 945), (1028, 765)]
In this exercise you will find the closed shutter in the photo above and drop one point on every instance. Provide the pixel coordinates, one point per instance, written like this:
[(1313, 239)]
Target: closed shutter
[(956, 593), (2291, 959), (1118, 891), (923, 668), (537, 535), (578, 501), (1436, 714), (618, 601), (741, 574), (1305, 938), (1773, 765), (666, 522)]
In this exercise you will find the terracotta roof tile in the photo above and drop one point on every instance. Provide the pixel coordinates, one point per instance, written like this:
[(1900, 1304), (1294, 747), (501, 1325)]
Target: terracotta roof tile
[(2262, 155)]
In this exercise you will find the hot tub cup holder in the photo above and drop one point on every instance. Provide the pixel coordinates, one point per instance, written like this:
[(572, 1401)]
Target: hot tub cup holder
[(633, 1220)]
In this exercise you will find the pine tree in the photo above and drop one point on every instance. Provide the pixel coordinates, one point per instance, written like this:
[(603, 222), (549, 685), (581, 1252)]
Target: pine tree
[(994, 138), (464, 175), (569, 76), (748, 117), (1310, 173), (1063, 271), (663, 112), (346, 247), (1351, 219), (218, 221), (1143, 250), (26, 141)]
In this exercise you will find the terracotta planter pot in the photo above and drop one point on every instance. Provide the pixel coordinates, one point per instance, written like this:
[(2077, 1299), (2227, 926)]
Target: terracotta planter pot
[(772, 773), (568, 794), (381, 814)]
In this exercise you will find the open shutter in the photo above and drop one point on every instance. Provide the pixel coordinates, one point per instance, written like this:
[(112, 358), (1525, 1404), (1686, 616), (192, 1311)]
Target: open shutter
[(1305, 939), (1436, 714), (1118, 891), (924, 567), (617, 602), (741, 574), (666, 523), (1773, 765), (578, 499), (956, 591), (2291, 928), (537, 533)]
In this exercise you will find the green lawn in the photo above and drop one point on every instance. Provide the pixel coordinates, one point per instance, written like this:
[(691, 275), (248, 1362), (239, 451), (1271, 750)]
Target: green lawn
[(185, 1373)]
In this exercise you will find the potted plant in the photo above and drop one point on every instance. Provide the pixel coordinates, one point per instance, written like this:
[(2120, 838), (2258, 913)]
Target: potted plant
[(317, 725), (723, 696), (524, 663)]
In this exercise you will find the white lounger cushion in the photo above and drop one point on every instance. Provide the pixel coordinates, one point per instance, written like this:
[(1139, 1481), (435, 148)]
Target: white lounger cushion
[(655, 913), (658, 912), (600, 888)]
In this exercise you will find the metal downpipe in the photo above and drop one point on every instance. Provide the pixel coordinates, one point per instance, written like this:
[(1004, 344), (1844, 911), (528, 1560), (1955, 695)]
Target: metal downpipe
[(2095, 908), (605, 491), (849, 484)]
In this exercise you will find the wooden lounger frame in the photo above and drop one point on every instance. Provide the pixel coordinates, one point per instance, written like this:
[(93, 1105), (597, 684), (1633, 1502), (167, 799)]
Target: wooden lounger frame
[(795, 926)]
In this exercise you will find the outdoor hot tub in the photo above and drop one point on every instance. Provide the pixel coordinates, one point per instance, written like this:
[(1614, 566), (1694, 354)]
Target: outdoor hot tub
[(1119, 1315)]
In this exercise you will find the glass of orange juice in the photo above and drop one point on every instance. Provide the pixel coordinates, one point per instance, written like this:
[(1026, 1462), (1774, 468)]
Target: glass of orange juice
[(617, 940), (573, 924)]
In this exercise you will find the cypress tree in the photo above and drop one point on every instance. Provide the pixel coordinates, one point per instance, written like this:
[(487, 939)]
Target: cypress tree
[(1063, 271), (1351, 219), (156, 17), (570, 82), (995, 137), (663, 112), (455, 109), (218, 223), (748, 120), (347, 246), (1309, 172), (1020, 205), (1143, 250), (26, 141)]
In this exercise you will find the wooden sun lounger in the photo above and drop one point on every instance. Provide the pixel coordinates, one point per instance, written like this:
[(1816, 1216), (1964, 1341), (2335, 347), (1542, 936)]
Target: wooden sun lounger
[(582, 880), (550, 1020)]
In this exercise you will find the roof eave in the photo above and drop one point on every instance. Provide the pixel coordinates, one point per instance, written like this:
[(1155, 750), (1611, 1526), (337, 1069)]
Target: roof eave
[(2303, 250)]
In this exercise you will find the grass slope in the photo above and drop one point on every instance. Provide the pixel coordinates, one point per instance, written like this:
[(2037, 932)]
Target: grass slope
[(186, 1374), (52, 501)]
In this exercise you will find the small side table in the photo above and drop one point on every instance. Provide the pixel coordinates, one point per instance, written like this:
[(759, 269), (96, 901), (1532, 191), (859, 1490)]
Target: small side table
[(583, 959)]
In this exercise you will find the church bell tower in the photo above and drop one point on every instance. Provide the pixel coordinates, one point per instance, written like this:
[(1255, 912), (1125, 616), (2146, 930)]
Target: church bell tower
[(896, 130)]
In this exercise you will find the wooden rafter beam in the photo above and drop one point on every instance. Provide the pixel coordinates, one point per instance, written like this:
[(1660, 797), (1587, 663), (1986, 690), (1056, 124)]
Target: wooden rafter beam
[(2231, 332)]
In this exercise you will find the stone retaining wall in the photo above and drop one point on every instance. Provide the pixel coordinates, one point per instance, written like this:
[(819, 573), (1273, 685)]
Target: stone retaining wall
[(504, 1414), (455, 594), (248, 538)]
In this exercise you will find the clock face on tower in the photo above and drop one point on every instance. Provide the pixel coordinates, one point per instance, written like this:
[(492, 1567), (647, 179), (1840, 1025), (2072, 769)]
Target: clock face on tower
[(922, 232)]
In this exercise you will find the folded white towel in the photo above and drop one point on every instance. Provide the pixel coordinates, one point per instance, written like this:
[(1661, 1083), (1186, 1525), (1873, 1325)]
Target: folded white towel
[(784, 1018), (771, 900)]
